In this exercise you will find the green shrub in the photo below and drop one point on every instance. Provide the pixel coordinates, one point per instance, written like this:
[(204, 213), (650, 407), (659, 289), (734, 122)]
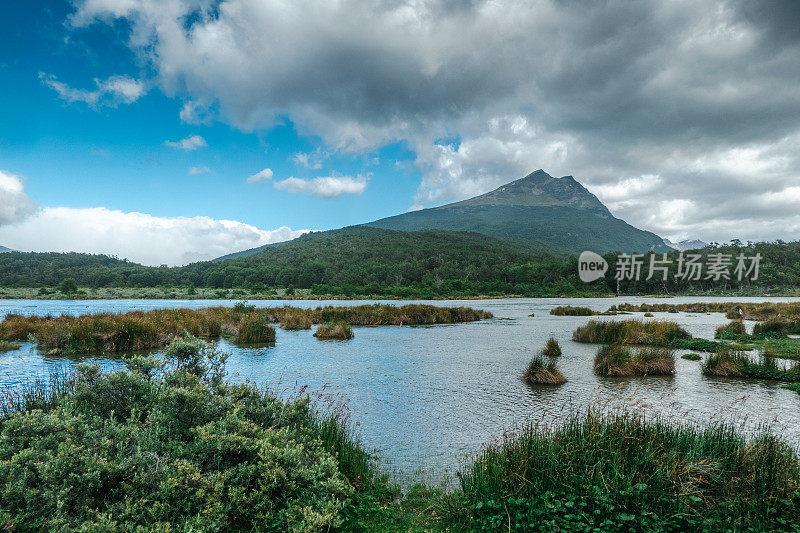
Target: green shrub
[(552, 348), (771, 329), (181, 451), (68, 286)]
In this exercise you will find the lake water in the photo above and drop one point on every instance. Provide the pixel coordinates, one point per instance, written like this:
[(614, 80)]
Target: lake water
[(427, 398)]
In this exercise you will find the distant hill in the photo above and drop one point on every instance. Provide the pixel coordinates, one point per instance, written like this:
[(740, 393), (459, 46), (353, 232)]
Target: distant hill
[(4, 249), (687, 244), (553, 214), (248, 252)]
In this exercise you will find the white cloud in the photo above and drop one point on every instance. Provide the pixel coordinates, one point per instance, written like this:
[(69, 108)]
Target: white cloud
[(15, 204), (261, 176), (112, 91), (189, 144), (194, 171), (605, 91), (139, 237), (312, 160), (324, 187)]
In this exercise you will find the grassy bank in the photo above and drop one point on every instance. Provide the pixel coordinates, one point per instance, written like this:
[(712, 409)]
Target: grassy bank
[(138, 331), (621, 473)]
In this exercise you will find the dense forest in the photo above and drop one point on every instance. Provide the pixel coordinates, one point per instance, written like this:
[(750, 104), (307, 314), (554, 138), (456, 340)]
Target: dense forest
[(370, 261)]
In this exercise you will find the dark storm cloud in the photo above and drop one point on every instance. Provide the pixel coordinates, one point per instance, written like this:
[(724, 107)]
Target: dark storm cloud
[(702, 95)]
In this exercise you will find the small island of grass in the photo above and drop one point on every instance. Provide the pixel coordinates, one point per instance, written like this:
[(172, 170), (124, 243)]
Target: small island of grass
[(617, 360), (543, 371)]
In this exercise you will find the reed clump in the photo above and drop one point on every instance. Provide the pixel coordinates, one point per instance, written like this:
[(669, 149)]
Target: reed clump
[(334, 331), (543, 371), (617, 360), (552, 348), (652, 332), (727, 362), (8, 346), (294, 321), (139, 331), (569, 310), (620, 472)]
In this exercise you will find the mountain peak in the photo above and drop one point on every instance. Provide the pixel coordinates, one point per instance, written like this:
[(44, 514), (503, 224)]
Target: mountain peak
[(543, 190)]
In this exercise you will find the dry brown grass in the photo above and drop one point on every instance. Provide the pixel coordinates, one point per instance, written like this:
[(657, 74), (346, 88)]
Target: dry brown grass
[(616, 360), (541, 372), (334, 331)]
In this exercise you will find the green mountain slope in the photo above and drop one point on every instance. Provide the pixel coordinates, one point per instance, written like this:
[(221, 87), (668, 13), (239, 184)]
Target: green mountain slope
[(554, 214)]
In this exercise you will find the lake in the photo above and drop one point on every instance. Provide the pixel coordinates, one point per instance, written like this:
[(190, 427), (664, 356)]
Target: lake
[(428, 398)]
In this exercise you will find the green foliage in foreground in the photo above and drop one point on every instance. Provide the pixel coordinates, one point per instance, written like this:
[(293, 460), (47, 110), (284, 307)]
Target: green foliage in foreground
[(173, 448), (619, 473)]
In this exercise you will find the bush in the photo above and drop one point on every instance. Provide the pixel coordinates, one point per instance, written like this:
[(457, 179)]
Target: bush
[(542, 372), (771, 329), (618, 360), (568, 310), (68, 286), (181, 451), (334, 331), (552, 348)]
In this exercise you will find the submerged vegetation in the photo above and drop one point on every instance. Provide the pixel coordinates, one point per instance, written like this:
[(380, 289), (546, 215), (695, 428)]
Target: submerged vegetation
[(691, 357), (543, 371), (617, 360), (334, 331), (138, 330)]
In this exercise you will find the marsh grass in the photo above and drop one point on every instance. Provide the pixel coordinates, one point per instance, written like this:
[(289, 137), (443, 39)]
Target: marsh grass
[(8, 346), (691, 357), (552, 348), (141, 331), (569, 310), (295, 321), (617, 360), (334, 331), (727, 362), (652, 332), (619, 472), (543, 371)]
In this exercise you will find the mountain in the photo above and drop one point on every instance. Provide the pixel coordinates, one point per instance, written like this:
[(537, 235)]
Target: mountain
[(4, 249), (552, 214), (686, 244), (248, 252)]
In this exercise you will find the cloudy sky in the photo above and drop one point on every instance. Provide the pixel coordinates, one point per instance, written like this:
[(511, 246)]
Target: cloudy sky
[(168, 131)]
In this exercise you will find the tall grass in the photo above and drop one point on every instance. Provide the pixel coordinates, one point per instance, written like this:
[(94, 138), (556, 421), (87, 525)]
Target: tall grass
[(543, 372), (619, 472), (732, 363), (569, 310), (8, 346), (617, 360), (552, 348), (138, 331), (653, 332), (751, 311), (334, 331)]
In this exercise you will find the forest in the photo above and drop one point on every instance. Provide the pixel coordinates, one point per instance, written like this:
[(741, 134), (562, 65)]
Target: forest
[(362, 261)]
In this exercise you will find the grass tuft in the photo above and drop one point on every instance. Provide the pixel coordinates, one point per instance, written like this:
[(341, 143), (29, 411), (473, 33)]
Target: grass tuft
[(543, 372)]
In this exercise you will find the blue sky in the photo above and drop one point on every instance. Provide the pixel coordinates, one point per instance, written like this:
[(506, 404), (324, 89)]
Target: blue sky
[(134, 127), (78, 156)]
